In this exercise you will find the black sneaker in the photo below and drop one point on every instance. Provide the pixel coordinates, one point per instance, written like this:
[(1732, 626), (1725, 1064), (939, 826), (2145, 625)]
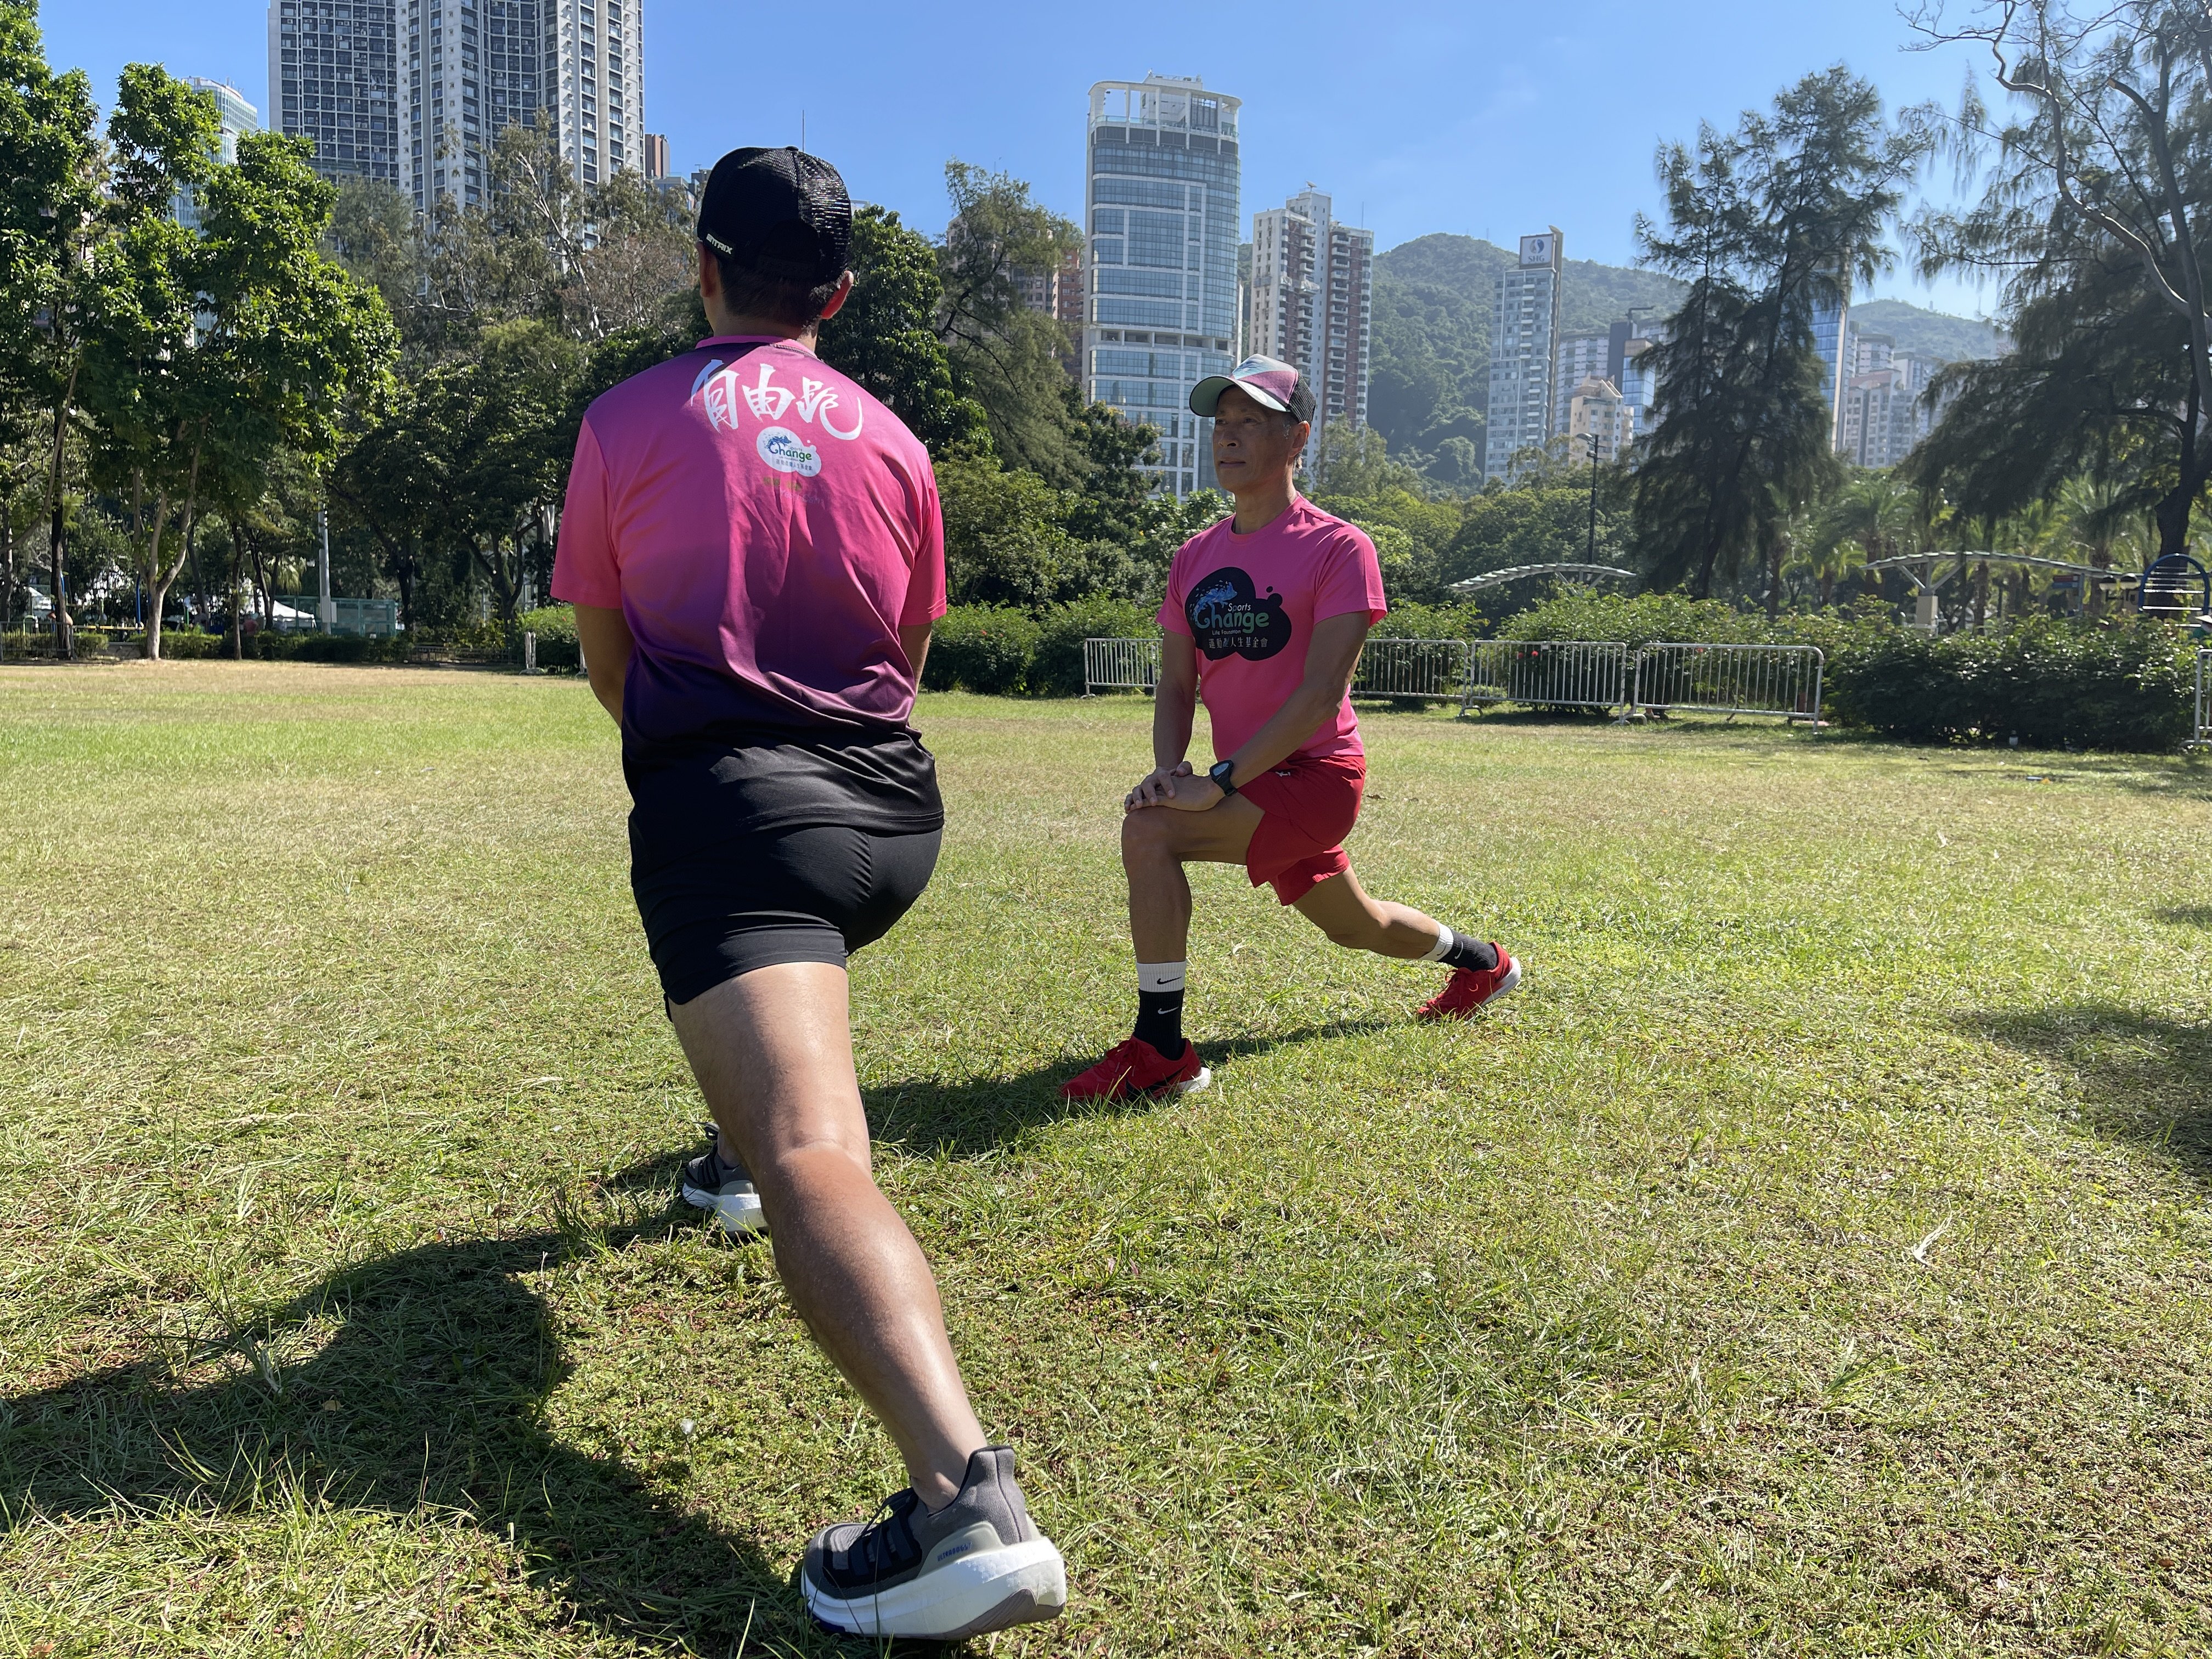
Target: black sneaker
[(977, 1565), (713, 1184)]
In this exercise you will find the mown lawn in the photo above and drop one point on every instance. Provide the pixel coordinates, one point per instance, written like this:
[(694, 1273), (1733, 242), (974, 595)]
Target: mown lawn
[(1812, 1259)]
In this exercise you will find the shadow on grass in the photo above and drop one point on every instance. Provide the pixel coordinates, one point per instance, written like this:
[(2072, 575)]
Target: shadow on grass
[(965, 1119), (430, 1396), (2142, 1078), (2185, 916)]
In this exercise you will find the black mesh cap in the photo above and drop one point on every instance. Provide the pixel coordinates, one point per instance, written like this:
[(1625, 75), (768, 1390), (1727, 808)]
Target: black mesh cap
[(780, 212)]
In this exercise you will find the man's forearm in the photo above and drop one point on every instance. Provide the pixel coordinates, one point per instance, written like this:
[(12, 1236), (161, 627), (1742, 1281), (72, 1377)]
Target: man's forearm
[(1173, 710), (1298, 719)]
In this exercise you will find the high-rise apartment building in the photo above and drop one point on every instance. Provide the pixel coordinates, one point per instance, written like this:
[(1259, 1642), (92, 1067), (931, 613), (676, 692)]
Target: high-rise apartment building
[(475, 67), (1057, 292), (1598, 423), (1524, 352), (1886, 410), (334, 77), (1161, 216), (1599, 353), (656, 155), (1309, 301), (237, 116), (596, 63)]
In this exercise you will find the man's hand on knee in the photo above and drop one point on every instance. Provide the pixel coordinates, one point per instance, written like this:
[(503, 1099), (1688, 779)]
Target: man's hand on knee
[(1157, 788)]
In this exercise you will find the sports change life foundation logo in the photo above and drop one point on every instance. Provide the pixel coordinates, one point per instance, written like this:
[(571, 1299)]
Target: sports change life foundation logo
[(1228, 616), (785, 451)]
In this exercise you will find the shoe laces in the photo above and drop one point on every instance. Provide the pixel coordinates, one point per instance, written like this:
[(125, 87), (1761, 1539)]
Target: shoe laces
[(887, 1542)]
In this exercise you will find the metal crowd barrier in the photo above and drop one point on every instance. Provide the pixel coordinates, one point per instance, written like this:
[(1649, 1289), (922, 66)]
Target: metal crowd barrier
[(1120, 665), (2201, 736), (1730, 679), (1412, 668), (1548, 673), (1604, 674)]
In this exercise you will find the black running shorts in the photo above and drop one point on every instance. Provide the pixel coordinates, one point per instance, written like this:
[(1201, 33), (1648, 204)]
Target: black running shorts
[(810, 895), (727, 881)]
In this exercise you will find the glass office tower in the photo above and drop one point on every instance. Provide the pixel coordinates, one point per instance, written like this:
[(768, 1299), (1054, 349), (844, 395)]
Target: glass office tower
[(1163, 214)]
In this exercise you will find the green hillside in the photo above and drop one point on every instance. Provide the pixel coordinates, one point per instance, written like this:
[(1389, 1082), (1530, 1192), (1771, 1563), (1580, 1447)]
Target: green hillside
[(1430, 384), (1955, 339), (1430, 380)]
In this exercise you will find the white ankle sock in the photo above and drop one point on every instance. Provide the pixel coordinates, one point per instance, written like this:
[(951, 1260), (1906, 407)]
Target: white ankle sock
[(1445, 942), (1154, 978)]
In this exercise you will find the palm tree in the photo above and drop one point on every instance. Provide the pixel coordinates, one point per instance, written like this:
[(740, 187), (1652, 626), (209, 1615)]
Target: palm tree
[(1860, 522)]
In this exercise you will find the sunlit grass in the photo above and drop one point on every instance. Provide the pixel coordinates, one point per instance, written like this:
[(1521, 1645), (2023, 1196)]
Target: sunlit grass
[(343, 1310)]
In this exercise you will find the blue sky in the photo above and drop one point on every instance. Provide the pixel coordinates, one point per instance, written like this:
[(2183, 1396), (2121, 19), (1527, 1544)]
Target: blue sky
[(1486, 120)]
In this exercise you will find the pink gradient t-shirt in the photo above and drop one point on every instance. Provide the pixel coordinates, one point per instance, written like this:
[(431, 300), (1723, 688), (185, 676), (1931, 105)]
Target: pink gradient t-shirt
[(765, 528), (1250, 603)]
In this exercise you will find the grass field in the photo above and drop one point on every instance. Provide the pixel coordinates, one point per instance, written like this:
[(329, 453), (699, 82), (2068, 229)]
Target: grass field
[(1812, 1259)]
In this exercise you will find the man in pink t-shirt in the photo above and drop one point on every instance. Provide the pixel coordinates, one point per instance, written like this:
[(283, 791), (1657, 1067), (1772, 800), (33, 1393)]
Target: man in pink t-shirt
[(755, 552), (1264, 617)]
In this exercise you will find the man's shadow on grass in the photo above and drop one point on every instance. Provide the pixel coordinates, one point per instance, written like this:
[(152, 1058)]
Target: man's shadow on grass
[(2143, 1076), (429, 1397), (981, 1115)]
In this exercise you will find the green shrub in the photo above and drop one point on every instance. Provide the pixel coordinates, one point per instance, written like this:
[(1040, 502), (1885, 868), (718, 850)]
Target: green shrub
[(2044, 683), (981, 648), (1056, 667), (191, 645), (556, 627), (1432, 622), (1635, 619)]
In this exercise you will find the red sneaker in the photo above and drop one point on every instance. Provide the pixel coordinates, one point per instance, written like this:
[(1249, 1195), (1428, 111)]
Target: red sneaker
[(1135, 1068), (1468, 989)]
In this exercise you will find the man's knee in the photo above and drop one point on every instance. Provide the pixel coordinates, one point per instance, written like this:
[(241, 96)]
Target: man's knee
[(1145, 839)]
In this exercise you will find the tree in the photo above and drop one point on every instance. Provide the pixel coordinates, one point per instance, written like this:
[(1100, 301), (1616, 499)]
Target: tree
[(46, 210), (1771, 225), (209, 353), (150, 387), (2098, 187), (884, 337), (1006, 356), (1351, 460)]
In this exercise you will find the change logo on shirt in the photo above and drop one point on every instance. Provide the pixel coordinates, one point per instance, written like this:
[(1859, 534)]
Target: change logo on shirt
[(786, 451), (1228, 617)]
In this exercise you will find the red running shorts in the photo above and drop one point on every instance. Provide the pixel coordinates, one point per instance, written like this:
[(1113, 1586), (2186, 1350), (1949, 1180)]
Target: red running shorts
[(1310, 803)]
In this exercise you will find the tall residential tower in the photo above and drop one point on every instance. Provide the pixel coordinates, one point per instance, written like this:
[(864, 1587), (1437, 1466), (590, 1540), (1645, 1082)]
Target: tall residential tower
[(1311, 303), (1161, 210), (475, 67), (415, 92), (334, 77), (1524, 332)]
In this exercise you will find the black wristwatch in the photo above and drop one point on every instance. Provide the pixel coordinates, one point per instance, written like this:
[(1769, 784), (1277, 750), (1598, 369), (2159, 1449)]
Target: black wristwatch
[(1219, 772)]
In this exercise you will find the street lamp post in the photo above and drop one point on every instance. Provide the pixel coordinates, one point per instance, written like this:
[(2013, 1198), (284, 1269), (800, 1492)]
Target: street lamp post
[(1590, 438)]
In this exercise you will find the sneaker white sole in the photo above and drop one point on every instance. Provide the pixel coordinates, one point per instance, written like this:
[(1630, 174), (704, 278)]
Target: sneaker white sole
[(1204, 1076), (1021, 1585), (737, 1215), (1507, 985)]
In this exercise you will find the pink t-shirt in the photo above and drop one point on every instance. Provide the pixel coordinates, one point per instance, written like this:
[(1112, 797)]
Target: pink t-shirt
[(1250, 604), (766, 526)]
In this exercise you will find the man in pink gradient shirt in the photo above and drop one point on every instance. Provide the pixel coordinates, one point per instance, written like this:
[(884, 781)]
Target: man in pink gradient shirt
[(755, 551)]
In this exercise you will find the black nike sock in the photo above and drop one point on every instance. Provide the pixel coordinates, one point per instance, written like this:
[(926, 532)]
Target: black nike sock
[(1472, 953), (1159, 1005)]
